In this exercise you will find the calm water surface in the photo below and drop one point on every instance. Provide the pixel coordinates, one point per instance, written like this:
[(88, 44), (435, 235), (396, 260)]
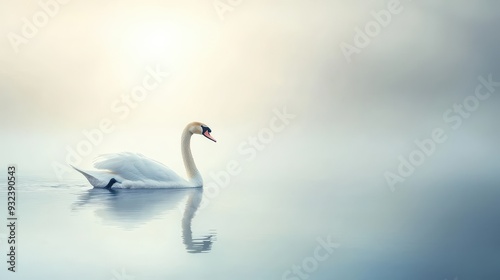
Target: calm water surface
[(256, 229)]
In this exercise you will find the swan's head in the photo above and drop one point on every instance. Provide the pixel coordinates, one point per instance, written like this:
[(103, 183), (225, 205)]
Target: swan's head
[(201, 128)]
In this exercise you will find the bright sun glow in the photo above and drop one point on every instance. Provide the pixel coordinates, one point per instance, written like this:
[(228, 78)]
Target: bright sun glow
[(170, 43)]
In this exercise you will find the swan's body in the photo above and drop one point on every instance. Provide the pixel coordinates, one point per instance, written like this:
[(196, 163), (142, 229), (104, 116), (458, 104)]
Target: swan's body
[(130, 170)]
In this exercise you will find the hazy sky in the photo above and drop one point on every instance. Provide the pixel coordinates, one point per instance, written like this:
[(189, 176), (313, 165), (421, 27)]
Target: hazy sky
[(230, 73)]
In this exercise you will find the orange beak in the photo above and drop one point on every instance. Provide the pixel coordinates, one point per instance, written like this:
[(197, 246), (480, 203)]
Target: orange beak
[(207, 134)]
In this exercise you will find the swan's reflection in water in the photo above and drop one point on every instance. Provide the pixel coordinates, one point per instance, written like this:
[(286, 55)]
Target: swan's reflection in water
[(194, 245), (129, 208)]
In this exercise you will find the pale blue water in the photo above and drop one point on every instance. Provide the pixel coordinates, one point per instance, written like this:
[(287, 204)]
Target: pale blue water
[(254, 230)]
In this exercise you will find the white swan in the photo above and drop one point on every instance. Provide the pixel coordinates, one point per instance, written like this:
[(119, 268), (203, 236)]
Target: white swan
[(130, 170)]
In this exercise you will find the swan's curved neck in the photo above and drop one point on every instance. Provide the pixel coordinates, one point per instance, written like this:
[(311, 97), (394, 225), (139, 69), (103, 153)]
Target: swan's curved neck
[(193, 174)]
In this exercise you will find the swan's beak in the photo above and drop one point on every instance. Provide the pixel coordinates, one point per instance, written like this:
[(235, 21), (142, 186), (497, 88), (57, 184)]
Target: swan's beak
[(207, 134)]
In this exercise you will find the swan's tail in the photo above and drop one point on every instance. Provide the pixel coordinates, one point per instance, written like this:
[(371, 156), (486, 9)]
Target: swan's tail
[(106, 180)]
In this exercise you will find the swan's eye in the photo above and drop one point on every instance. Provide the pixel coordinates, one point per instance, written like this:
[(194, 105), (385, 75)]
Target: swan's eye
[(206, 128)]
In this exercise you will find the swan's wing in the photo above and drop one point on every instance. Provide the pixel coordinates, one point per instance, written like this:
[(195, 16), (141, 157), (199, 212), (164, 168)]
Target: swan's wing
[(135, 167), (98, 179)]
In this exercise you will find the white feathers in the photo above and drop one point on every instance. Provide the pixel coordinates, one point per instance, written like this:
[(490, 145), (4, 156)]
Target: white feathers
[(132, 166)]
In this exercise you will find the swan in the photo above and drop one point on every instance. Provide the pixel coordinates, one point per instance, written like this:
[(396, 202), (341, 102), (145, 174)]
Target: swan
[(131, 170)]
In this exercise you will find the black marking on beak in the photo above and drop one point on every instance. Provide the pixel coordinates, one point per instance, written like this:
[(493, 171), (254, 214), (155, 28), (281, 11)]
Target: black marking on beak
[(205, 128)]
